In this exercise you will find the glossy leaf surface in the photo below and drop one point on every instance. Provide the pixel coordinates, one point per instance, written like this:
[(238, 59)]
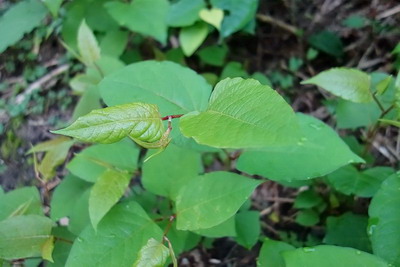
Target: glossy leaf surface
[(153, 254)]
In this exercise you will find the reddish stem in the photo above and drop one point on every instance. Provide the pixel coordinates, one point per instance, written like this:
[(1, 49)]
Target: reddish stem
[(171, 117)]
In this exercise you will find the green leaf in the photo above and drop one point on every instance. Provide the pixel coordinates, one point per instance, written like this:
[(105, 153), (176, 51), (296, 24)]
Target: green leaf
[(348, 230), (114, 43), (88, 47), (184, 12), (248, 228), (224, 229), (24, 236), (327, 42), (181, 240), (242, 113), (61, 247), (53, 6), (192, 37), (318, 153), (21, 18), (307, 199), (307, 217), (330, 256), (270, 253), (153, 254), (385, 219), (79, 217), (348, 180), (90, 100), (213, 16), (349, 84), (93, 161), (213, 55), (211, 199), (383, 85), (240, 13), (118, 239), (65, 196), (47, 249), (141, 122), (232, 70), (107, 190), (173, 88), (167, 173), (22, 201), (355, 21), (148, 17)]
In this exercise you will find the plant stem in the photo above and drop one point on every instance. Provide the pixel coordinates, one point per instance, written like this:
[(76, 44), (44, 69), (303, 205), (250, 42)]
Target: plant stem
[(171, 117)]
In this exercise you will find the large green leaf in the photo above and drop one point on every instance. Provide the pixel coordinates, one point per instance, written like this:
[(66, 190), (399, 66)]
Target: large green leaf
[(224, 229), (153, 254), (385, 219), (107, 190), (349, 84), (65, 196), (79, 217), (348, 230), (21, 18), (148, 17), (167, 173), (241, 12), (319, 152), (21, 201), (95, 160), (140, 121), (331, 256), (184, 12), (23, 236), (118, 239), (348, 180), (211, 199), (173, 88), (270, 253), (242, 114)]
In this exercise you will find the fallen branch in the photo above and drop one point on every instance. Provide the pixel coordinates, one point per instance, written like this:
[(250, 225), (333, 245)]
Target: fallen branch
[(278, 23), (39, 83)]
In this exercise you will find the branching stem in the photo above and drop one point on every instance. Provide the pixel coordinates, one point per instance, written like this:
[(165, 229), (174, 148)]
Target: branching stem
[(171, 117)]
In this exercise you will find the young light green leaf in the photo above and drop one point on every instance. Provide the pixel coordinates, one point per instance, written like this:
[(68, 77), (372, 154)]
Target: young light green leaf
[(24, 236), (242, 114), (383, 85), (139, 121), (173, 88), (65, 196), (384, 216), (211, 199), (167, 173), (21, 18), (319, 152), (349, 84), (47, 249), (348, 230), (93, 161), (270, 253), (22, 201), (107, 190), (213, 16), (118, 239), (153, 254), (184, 13), (88, 47), (192, 37), (330, 256), (147, 17)]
